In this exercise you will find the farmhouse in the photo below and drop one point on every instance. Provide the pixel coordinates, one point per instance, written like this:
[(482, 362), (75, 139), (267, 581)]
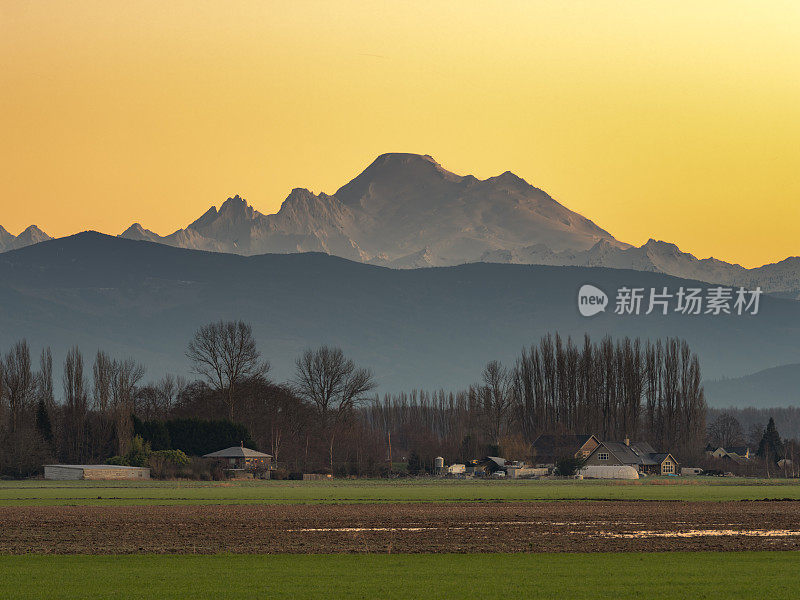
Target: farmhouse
[(239, 457), (639, 455), (738, 454), (96, 472), (550, 448)]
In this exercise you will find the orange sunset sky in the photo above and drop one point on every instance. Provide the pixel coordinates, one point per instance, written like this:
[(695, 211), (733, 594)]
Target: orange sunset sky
[(679, 120)]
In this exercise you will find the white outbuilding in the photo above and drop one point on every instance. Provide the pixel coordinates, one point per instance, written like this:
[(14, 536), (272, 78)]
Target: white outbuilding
[(95, 472), (609, 472)]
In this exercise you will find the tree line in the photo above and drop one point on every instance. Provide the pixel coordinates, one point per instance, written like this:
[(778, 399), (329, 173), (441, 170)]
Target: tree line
[(104, 403), (647, 391), (326, 417)]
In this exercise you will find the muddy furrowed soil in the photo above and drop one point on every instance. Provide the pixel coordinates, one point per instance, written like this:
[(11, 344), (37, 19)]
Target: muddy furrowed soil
[(470, 527)]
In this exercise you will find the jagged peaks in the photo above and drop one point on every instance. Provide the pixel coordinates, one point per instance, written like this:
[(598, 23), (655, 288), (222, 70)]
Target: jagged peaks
[(234, 210), (662, 247), (299, 193), (236, 207), (298, 199), (309, 211)]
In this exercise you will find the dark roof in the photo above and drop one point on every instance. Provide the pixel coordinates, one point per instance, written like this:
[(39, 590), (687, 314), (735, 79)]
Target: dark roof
[(549, 443), (738, 459), (740, 450), (659, 457), (626, 455), (492, 463), (237, 452), (635, 453)]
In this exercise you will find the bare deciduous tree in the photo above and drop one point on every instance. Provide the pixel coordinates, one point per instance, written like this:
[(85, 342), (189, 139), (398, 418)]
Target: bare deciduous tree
[(225, 354), (497, 395), (725, 431), (334, 385), (127, 375), (18, 381), (103, 371), (44, 380), (103, 375), (75, 407)]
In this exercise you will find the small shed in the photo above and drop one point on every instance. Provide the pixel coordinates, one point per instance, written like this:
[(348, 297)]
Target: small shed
[(94, 472), (239, 457)]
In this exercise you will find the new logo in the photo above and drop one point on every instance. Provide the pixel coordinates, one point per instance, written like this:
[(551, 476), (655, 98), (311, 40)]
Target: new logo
[(591, 300)]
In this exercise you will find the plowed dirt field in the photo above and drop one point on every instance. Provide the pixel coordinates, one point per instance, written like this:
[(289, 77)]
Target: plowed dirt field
[(472, 527)]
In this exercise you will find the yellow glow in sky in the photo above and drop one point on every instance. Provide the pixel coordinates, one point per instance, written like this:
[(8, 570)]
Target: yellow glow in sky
[(678, 121)]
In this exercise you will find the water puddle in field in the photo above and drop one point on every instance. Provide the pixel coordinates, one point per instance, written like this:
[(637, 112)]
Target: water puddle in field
[(695, 533), (467, 525), (643, 534), (360, 529)]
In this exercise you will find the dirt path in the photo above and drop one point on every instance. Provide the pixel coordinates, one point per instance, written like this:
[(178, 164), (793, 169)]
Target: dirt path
[(472, 527)]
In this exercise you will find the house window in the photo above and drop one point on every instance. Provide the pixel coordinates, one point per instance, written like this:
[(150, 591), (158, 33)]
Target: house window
[(668, 467), (602, 456)]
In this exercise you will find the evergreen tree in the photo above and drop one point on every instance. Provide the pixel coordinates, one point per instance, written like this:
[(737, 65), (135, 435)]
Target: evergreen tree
[(771, 445)]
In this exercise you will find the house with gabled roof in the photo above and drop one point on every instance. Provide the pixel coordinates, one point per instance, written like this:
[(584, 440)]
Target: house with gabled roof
[(549, 448), (738, 454), (639, 455)]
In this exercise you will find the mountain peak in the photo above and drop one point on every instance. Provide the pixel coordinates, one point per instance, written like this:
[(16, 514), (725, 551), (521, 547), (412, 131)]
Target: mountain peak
[(135, 228), (653, 244), (394, 165), (33, 235), (396, 174), (236, 207), (137, 232), (508, 178), (408, 164), (404, 157)]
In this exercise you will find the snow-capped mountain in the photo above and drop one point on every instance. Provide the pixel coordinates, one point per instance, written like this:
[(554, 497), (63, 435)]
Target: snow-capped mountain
[(781, 278), (404, 210)]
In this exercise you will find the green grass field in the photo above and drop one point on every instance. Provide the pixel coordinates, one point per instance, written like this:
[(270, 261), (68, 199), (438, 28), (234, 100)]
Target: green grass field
[(574, 576), (39, 492)]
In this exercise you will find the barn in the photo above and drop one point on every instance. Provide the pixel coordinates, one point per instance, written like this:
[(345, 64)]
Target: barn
[(95, 472)]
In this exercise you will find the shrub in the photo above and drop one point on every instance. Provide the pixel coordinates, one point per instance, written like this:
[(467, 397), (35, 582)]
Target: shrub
[(139, 453), (118, 460), (206, 469), (164, 464), (280, 474), (567, 467)]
